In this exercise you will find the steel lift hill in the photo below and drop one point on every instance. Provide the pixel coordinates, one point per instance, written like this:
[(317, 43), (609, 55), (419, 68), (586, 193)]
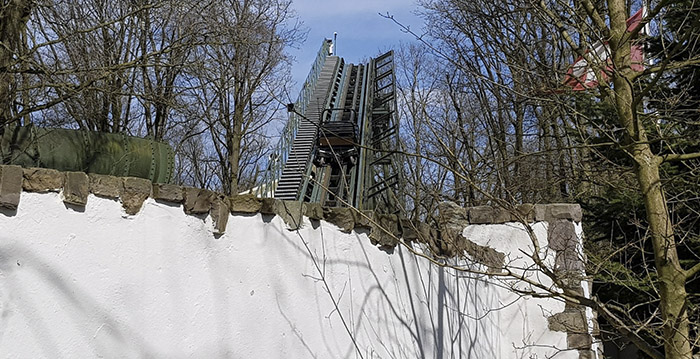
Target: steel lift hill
[(339, 146)]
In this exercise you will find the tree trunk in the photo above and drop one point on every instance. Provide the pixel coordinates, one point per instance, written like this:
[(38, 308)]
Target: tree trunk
[(671, 275), (14, 15), (234, 146), (673, 295)]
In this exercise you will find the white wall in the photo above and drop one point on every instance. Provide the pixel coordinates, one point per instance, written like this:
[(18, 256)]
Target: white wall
[(100, 283)]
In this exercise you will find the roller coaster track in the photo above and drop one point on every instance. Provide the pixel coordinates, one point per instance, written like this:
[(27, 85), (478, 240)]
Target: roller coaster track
[(296, 166), (340, 145)]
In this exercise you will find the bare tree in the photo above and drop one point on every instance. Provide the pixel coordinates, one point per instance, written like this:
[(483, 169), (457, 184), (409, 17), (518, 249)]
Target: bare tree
[(206, 76), (509, 60), (112, 66), (240, 78)]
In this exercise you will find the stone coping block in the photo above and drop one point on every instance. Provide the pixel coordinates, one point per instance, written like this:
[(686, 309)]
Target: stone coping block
[(168, 193), (42, 180), (76, 187), (245, 204), (386, 230), (197, 200), (10, 186), (219, 213), (482, 215), (133, 192), (104, 185)]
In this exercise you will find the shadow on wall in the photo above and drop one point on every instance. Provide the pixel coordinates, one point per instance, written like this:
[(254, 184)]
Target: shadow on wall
[(443, 311), (19, 269), (389, 304), (8, 212), (401, 300)]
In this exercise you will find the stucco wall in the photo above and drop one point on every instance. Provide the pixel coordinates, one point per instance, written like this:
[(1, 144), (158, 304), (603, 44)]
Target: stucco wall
[(94, 281)]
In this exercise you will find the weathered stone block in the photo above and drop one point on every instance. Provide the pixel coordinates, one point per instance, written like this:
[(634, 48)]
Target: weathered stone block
[(487, 256), (481, 215), (245, 204), (105, 186), (450, 212), (219, 214), (268, 206), (423, 233), (501, 215), (168, 192), (569, 321), (42, 180), (563, 211), (561, 235), (409, 230), (385, 231), (76, 188), (427, 234), (540, 212), (526, 211), (414, 231), (579, 341), (447, 245), (197, 200), (452, 220), (10, 186), (364, 219), (341, 217), (569, 263), (313, 210), (291, 213), (134, 192)]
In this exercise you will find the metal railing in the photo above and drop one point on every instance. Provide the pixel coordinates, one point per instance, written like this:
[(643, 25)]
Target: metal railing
[(280, 154)]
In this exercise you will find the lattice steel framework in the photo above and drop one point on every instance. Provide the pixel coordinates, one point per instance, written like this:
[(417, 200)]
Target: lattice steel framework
[(340, 145)]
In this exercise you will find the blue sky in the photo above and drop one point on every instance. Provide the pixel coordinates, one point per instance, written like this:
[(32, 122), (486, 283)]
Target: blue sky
[(362, 32)]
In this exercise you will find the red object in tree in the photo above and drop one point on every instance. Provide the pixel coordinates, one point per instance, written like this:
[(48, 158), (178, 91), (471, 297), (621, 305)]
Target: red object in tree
[(581, 76)]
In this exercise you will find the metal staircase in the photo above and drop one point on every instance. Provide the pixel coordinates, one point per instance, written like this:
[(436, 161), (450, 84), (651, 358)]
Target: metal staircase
[(295, 169)]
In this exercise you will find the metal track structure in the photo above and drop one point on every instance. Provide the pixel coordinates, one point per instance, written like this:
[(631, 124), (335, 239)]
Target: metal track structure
[(381, 177), (295, 170), (339, 146)]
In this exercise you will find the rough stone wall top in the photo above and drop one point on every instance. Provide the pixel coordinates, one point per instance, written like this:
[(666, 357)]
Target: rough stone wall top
[(386, 229)]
